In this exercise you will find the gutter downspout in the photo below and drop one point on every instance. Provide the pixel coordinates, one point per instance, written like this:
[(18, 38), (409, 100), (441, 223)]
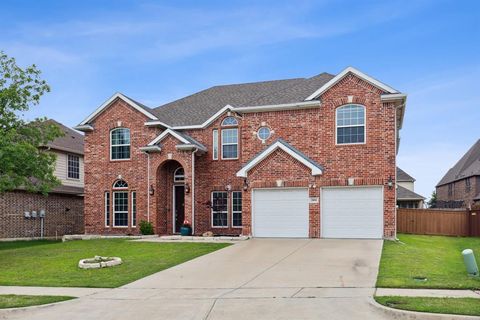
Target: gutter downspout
[(193, 190), (148, 186), (397, 133)]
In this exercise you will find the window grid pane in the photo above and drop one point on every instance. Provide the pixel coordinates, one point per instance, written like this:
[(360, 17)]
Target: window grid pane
[(215, 144), (230, 143), (219, 209), (134, 209), (107, 208), (350, 124), (237, 209), (73, 166), (120, 145), (230, 121), (120, 208)]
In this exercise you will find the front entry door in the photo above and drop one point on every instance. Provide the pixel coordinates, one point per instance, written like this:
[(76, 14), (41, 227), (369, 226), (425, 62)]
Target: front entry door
[(179, 207)]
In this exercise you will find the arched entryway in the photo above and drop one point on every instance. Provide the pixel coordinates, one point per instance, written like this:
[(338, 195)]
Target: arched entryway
[(171, 197)]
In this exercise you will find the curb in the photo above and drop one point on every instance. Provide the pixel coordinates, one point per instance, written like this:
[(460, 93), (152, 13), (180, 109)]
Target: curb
[(412, 315), (6, 311)]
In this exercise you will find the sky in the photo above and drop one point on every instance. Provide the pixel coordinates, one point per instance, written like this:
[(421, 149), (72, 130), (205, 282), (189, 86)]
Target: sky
[(158, 51)]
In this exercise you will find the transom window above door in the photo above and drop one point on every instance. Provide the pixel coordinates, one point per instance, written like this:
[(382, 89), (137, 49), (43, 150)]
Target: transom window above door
[(179, 175), (120, 144), (350, 124)]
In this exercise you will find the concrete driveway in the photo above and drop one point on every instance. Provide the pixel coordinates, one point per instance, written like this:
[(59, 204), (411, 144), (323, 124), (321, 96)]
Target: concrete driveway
[(255, 279)]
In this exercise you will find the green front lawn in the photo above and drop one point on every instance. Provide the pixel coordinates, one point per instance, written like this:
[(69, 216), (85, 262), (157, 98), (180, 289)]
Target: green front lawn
[(18, 301), (49, 263), (436, 258), (463, 306)]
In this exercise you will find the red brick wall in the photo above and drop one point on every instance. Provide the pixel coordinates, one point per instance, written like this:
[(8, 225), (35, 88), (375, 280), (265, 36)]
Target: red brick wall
[(460, 196), (58, 220), (312, 131)]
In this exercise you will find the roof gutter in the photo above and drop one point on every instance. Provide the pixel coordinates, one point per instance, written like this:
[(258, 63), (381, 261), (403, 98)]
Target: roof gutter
[(147, 149), (279, 107), (83, 127), (189, 147)]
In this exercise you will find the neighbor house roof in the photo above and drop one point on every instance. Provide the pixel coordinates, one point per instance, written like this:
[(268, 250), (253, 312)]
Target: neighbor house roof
[(467, 166), (402, 176), (72, 141), (405, 194)]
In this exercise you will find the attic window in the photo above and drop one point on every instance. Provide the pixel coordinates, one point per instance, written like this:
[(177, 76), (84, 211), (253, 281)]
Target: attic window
[(229, 121)]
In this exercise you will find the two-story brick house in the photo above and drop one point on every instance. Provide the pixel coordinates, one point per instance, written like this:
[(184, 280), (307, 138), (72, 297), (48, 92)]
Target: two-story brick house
[(460, 186), (305, 157)]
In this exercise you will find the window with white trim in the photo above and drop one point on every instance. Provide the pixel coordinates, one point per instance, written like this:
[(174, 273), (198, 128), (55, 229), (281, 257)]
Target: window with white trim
[(229, 121), (219, 209), (215, 144), (107, 208), (120, 204), (236, 209), (73, 166), (120, 144), (134, 208), (263, 133), (350, 124), (230, 143), (179, 175)]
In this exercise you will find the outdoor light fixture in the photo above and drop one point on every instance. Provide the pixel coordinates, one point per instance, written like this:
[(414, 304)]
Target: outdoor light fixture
[(151, 190), (390, 182), (187, 188), (245, 184)]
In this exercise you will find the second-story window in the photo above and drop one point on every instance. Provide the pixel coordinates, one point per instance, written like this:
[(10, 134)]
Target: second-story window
[(467, 185), (450, 189), (73, 166), (229, 138), (350, 124), (120, 144)]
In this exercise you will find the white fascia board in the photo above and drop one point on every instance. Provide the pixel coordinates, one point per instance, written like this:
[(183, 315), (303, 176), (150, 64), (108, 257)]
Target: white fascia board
[(151, 149), (393, 97), (167, 132), (208, 121), (356, 72), (84, 127), (189, 147), (109, 101), (156, 123), (279, 107), (277, 145)]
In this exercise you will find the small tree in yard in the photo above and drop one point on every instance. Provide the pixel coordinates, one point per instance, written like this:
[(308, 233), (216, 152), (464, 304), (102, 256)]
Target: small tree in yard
[(23, 163), (432, 203)]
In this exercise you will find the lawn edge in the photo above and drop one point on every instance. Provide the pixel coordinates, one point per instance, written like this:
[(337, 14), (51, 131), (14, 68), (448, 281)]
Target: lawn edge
[(44, 305), (406, 314)]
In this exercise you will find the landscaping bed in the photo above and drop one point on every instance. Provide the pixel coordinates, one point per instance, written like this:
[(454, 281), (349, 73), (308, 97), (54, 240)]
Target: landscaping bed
[(419, 261), (18, 301), (55, 264), (459, 306)]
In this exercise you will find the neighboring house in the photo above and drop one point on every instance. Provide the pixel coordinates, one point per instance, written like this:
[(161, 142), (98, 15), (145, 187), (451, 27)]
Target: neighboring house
[(460, 186), (406, 196), (305, 157), (21, 211)]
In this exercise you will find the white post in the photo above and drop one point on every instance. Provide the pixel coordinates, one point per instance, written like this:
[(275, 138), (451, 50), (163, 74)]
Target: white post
[(193, 191)]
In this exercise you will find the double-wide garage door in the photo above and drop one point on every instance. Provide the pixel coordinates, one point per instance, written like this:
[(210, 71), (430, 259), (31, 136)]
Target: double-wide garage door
[(346, 212)]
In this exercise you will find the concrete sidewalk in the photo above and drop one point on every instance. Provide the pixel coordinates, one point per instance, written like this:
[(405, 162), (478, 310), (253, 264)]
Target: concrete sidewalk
[(51, 291), (434, 293)]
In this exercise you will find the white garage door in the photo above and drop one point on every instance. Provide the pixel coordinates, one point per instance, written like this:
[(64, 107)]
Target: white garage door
[(280, 213), (352, 212)]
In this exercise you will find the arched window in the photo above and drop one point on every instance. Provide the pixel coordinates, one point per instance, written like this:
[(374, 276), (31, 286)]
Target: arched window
[(179, 175), (120, 184), (120, 203), (120, 144), (229, 121), (350, 124)]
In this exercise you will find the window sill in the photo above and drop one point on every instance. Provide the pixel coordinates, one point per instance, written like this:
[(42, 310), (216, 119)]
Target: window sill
[(120, 160)]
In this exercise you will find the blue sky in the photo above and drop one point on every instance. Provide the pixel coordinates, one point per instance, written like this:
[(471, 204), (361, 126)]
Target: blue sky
[(158, 51)]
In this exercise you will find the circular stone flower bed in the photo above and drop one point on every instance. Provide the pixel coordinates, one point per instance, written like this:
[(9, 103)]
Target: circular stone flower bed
[(99, 262)]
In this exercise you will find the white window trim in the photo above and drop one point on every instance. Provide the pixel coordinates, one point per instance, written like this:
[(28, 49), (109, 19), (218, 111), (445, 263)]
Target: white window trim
[(350, 126), (211, 211), (115, 212), (105, 211), (78, 157), (230, 144), (215, 144), (269, 133), (241, 212), (175, 175), (229, 125), (132, 207), (121, 145)]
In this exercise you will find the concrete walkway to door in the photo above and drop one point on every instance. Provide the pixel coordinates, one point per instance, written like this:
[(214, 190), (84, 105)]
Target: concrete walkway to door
[(255, 279)]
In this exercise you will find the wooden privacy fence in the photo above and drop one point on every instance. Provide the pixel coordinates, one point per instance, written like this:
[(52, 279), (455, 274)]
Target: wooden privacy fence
[(447, 222)]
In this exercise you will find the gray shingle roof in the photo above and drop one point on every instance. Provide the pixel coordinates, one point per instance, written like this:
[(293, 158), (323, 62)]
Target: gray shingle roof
[(405, 194), (192, 141), (402, 176), (467, 166), (197, 108), (72, 141)]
